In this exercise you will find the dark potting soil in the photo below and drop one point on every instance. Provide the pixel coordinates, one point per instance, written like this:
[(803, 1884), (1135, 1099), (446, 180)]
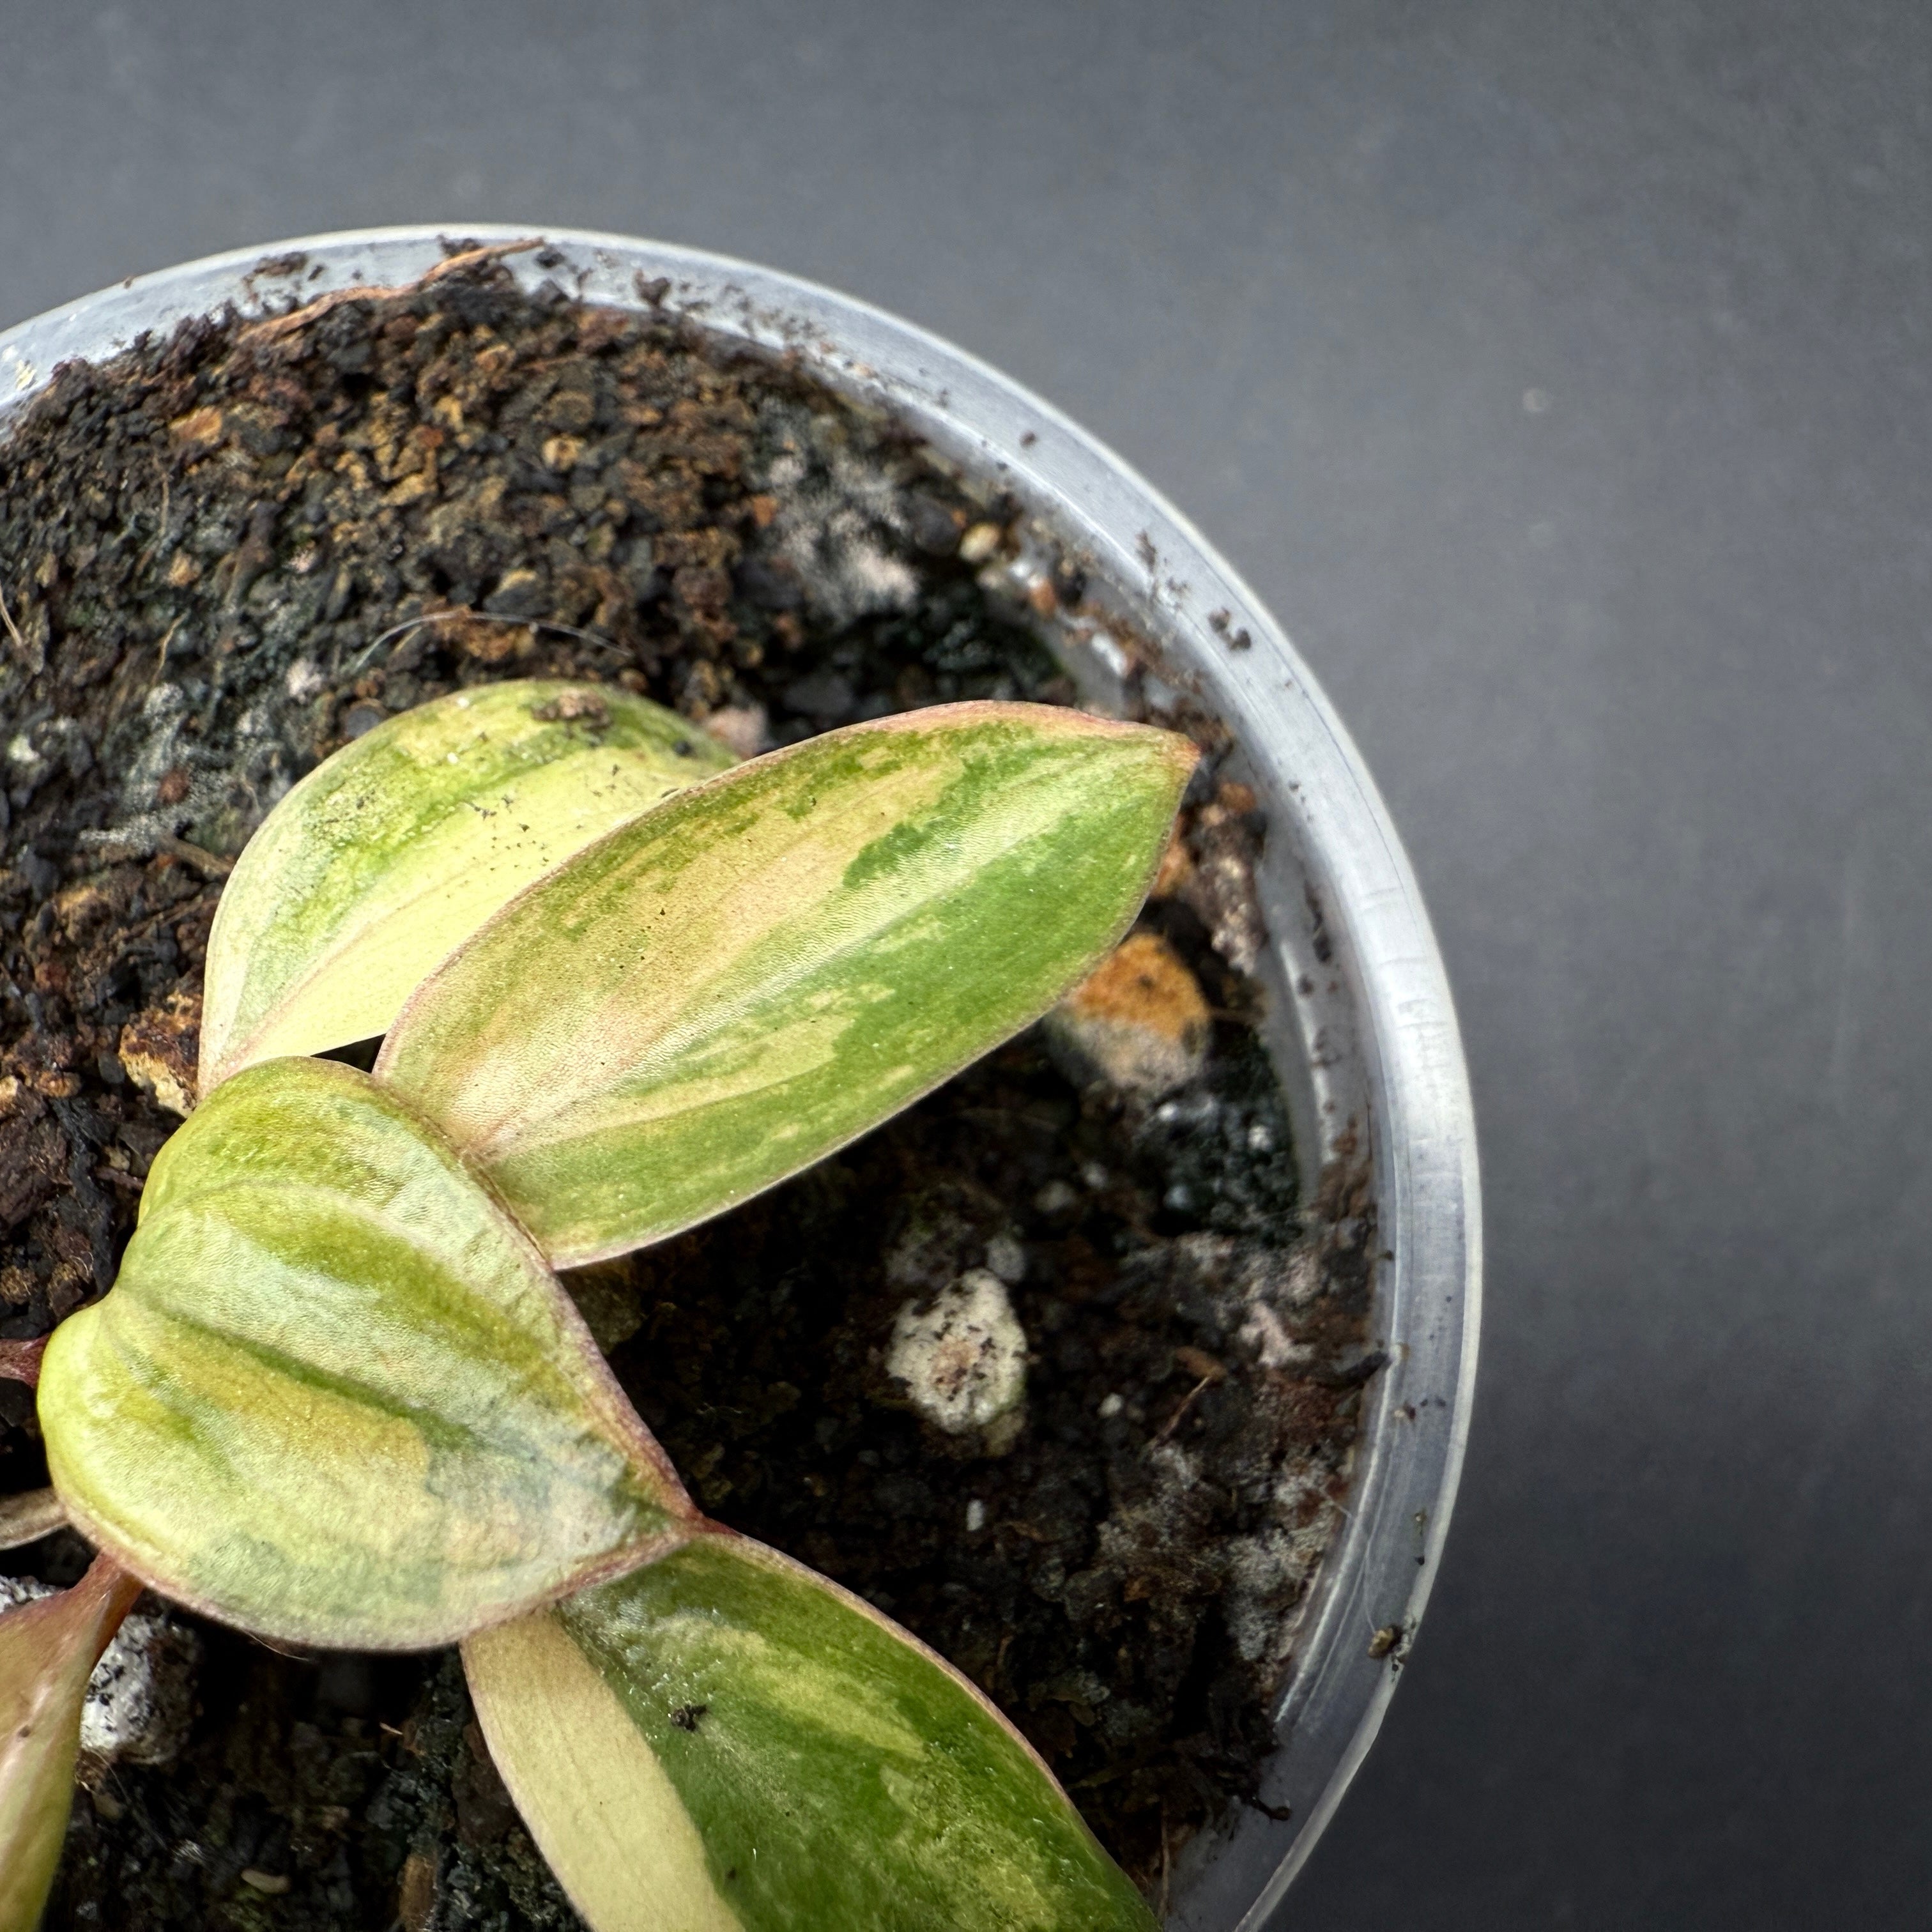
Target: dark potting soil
[(227, 552)]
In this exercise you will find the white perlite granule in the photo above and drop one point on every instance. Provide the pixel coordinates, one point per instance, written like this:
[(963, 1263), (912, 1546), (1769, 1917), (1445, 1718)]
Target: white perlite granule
[(962, 1357), (138, 1702)]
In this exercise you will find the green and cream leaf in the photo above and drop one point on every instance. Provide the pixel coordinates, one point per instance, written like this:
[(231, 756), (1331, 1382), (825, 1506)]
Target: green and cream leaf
[(394, 850), (336, 1397), (725, 1742), (48, 1650), (717, 994)]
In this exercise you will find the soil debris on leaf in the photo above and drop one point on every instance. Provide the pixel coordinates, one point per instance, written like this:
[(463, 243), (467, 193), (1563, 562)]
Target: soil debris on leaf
[(237, 547)]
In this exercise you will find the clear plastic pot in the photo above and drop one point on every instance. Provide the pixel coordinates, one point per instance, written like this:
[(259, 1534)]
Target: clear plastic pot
[(1365, 1036)]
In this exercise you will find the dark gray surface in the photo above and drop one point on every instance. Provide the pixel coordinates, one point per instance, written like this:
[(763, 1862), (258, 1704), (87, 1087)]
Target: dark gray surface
[(1560, 375)]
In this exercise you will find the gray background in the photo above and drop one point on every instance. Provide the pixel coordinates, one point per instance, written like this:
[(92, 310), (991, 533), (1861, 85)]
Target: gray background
[(1559, 374)]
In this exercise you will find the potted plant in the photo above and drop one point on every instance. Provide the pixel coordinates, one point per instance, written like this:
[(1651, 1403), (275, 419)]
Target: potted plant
[(1032, 534)]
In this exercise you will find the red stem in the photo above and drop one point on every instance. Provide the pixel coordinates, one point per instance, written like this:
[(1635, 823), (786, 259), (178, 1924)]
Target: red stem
[(20, 1361), (113, 1592)]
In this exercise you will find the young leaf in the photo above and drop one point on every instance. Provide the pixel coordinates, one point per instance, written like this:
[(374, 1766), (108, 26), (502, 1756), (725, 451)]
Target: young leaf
[(396, 848), (335, 1396), (715, 995), (724, 1740), (48, 1651), (27, 1515)]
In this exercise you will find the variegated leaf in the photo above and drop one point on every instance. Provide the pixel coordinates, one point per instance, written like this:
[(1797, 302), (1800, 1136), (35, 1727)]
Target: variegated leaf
[(725, 1742), (336, 1397), (716, 994), (48, 1650), (394, 850)]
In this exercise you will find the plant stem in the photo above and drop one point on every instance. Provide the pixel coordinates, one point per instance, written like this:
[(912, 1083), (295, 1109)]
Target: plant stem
[(20, 1361)]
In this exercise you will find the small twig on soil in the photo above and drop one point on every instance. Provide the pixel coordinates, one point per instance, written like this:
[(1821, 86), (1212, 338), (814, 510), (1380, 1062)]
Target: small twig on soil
[(20, 1361), (119, 851), (412, 624), (207, 864), (272, 327), (1187, 1402), (12, 629), (29, 1516)]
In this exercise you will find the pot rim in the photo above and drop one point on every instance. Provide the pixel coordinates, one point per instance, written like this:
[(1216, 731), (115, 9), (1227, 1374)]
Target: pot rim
[(1367, 1037)]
